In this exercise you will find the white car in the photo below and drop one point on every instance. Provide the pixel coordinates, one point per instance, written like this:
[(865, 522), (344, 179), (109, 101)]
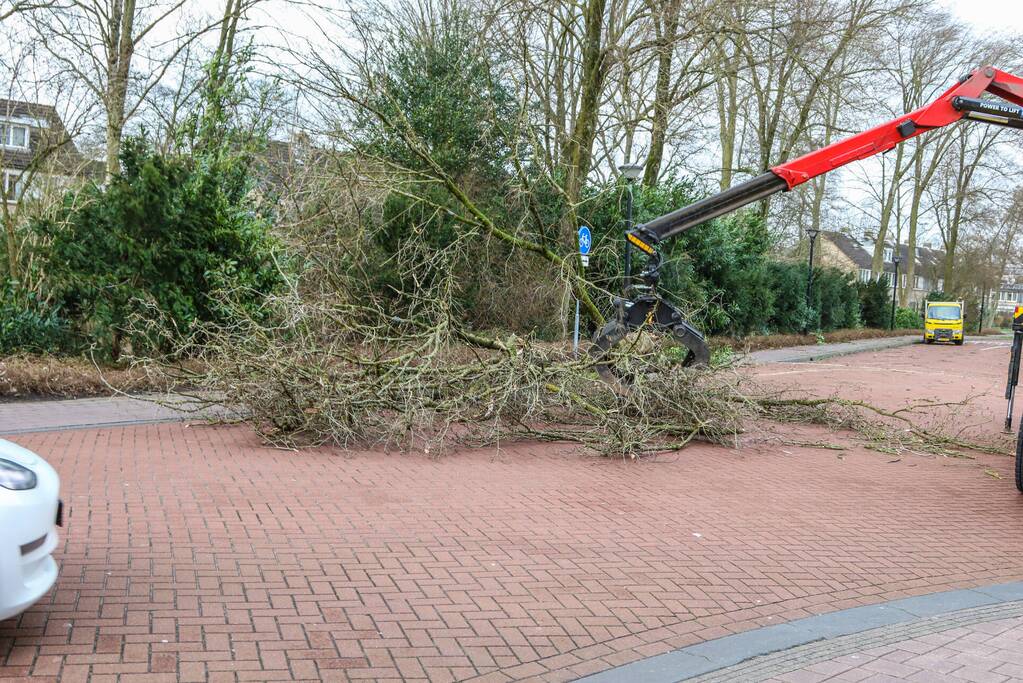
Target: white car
[(30, 511)]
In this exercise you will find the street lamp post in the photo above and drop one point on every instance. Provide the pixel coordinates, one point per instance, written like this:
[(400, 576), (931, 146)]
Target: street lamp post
[(631, 173), (983, 299), (896, 259), (812, 234)]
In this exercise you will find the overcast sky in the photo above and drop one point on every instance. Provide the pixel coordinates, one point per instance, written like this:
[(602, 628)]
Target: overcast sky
[(990, 15)]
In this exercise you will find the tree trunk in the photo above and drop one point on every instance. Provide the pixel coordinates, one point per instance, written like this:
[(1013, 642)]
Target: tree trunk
[(578, 155), (662, 95), (12, 244), (120, 49), (820, 183), (728, 108), (951, 244), (914, 222), (888, 203)]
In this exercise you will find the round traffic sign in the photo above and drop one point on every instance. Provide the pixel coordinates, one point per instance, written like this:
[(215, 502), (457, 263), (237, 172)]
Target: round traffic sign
[(585, 240)]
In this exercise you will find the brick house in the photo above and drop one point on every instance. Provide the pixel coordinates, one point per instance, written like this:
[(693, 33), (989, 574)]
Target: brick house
[(853, 255)]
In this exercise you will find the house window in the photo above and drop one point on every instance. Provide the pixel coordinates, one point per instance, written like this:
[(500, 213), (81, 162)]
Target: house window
[(918, 282), (864, 274), (887, 255), (12, 135), (12, 185)]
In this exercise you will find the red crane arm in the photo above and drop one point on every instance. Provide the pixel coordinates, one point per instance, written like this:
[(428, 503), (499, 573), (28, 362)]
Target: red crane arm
[(958, 102), (939, 113)]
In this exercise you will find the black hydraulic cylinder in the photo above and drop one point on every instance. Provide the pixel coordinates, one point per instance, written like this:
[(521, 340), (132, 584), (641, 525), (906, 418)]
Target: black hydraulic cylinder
[(733, 198), (999, 113)]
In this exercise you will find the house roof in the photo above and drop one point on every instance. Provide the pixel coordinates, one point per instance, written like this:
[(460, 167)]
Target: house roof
[(861, 252), (46, 129)]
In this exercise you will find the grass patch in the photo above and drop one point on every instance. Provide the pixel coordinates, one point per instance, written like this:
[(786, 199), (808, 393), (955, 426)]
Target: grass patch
[(31, 376)]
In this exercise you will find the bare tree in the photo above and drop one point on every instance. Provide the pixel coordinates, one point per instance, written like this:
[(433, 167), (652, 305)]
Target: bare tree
[(118, 51), (9, 8), (959, 183), (923, 54)]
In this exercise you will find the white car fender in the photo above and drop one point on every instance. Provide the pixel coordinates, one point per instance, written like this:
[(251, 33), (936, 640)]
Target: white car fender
[(28, 533)]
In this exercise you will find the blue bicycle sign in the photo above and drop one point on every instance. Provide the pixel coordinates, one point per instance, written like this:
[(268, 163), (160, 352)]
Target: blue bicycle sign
[(585, 240)]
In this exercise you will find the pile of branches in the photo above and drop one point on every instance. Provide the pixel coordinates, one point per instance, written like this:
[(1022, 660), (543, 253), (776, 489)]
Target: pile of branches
[(347, 370)]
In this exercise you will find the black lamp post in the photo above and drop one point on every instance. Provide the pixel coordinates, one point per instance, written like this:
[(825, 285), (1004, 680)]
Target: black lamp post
[(812, 234), (896, 259), (631, 173)]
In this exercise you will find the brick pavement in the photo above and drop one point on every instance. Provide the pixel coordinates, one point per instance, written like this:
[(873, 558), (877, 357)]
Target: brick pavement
[(195, 554)]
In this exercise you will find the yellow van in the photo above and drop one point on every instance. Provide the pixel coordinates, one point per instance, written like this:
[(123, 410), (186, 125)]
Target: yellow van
[(944, 322)]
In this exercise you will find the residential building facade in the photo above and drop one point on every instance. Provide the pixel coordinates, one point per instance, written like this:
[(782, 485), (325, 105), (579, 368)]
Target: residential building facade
[(1009, 297), (854, 255)]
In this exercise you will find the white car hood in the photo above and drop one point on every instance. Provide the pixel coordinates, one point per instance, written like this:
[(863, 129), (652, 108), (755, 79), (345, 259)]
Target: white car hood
[(15, 453)]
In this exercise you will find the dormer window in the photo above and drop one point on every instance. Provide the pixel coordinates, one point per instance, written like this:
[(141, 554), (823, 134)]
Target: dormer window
[(14, 135), (887, 254)]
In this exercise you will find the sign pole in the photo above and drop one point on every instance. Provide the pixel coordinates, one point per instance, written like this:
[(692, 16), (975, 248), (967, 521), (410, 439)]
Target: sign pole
[(575, 339)]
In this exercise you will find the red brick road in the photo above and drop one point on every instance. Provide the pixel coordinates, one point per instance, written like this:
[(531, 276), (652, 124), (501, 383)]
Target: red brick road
[(195, 554)]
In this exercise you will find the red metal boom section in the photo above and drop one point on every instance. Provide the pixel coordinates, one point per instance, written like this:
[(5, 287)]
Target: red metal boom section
[(940, 112)]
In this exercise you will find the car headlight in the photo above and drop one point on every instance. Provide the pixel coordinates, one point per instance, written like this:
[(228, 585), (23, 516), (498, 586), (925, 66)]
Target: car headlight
[(15, 477)]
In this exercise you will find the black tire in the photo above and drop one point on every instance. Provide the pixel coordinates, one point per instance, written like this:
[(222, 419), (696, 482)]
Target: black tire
[(959, 342), (1019, 460), (928, 341)]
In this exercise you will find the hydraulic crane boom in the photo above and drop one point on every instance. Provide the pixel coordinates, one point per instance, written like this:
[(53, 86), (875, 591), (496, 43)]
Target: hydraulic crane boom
[(958, 102)]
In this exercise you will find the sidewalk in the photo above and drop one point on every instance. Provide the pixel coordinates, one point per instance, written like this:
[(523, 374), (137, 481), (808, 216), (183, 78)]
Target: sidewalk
[(972, 635), (21, 417), (810, 353)]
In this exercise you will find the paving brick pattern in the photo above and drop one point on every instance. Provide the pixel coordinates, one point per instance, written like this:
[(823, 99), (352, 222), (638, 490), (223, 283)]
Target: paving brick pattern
[(196, 554), (988, 652), (980, 644)]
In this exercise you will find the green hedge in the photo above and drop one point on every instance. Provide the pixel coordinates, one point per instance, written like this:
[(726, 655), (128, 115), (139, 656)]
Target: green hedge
[(27, 323), (875, 304), (168, 231), (907, 319)]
